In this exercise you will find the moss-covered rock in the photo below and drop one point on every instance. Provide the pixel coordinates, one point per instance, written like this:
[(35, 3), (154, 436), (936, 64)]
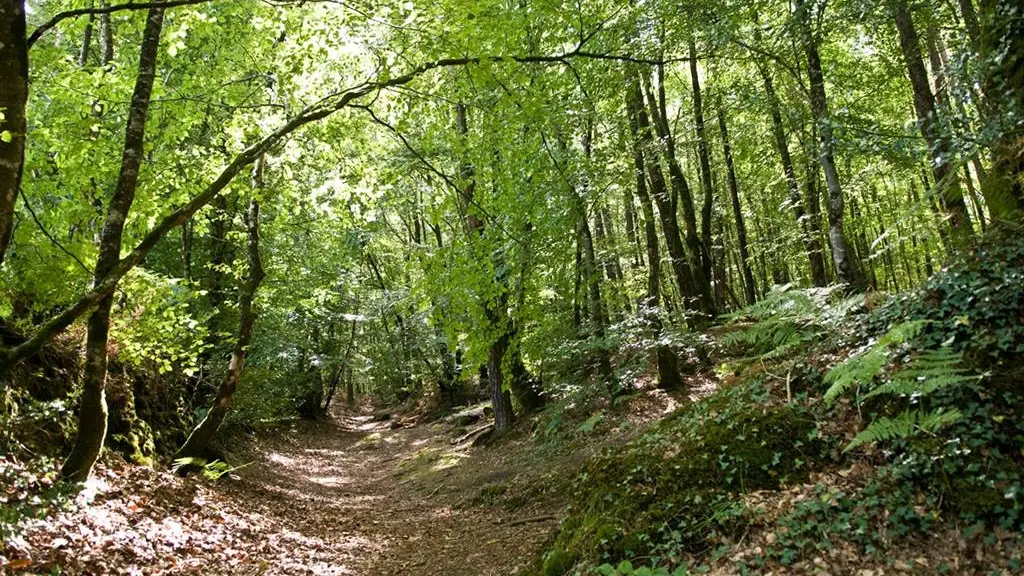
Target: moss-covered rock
[(679, 483)]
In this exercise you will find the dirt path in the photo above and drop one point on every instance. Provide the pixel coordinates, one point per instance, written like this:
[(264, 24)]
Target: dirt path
[(341, 497), (369, 499)]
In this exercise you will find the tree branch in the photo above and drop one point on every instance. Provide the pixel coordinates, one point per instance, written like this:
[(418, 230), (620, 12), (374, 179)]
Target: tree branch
[(62, 16)]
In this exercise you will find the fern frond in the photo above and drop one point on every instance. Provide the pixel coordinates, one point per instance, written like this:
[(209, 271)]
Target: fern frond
[(925, 374), (905, 425), (862, 367)]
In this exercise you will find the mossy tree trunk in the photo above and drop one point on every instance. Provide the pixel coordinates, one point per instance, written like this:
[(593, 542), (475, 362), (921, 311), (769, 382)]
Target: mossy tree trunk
[(200, 437), (1001, 47), (92, 421), (13, 99)]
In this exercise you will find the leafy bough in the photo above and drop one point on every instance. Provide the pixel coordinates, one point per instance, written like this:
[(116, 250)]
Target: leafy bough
[(318, 111)]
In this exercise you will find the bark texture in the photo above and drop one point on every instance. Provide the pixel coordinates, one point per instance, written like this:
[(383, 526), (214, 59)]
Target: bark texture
[(749, 287), (203, 433), (811, 241), (668, 363), (13, 99), (940, 158), (845, 261), (92, 421)]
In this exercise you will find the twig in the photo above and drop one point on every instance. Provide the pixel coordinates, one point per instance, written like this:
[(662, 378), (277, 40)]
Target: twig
[(46, 233)]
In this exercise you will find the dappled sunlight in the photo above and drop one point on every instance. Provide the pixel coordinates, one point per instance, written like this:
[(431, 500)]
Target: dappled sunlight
[(331, 481), (449, 460)]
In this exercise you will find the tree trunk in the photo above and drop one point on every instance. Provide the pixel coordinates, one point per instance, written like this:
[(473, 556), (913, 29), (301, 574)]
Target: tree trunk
[(631, 224), (811, 242), (106, 37), (846, 264), (749, 287), (668, 363), (92, 422), (200, 437), (704, 159), (13, 99), (501, 399), (83, 54), (700, 290), (666, 207), (939, 156), (1001, 47)]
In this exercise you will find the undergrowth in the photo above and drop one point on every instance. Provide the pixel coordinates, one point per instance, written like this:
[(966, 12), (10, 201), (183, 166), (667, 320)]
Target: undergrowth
[(919, 391)]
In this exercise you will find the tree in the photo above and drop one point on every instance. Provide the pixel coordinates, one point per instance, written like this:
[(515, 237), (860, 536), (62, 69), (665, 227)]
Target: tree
[(846, 263), (940, 157), (92, 419), (203, 433), (13, 126)]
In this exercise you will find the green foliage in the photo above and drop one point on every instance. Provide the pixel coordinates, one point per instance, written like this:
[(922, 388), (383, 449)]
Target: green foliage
[(156, 325), (907, 424), (625, 568), (921, 376), (870, 518), (673, 489), (974, 305), (787, 319), (862, 367)]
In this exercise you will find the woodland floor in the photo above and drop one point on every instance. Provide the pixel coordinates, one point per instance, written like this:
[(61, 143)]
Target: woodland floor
[(344, 496)]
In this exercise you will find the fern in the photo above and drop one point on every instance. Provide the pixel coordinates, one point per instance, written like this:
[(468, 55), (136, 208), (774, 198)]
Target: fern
[(787, 319), (210, 470), (865, 365), (931, 371), (907, 424)]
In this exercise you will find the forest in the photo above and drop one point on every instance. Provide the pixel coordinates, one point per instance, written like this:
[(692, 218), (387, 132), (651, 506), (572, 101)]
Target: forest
[(529, 287)]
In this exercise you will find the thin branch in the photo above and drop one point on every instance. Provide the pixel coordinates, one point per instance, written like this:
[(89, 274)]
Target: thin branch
[(62, 16), (447, 179), (46, 233)]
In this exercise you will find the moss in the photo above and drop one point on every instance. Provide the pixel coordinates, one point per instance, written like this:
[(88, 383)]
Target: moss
[(489, 494), (975, 498), (681, 481)]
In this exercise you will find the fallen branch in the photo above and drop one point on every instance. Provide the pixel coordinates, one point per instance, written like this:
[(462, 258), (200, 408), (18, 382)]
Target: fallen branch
[(472, 433), (533, 519)]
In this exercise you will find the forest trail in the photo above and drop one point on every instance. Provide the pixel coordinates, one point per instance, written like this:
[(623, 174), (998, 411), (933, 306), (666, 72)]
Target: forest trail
[(344, 496), (355, 496)]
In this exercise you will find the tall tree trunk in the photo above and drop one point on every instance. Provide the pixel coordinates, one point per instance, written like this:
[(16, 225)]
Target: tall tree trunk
[(631, 224), (92, 421), (106, 36), (501, 399), (666, 206), (681, 192), (940, 155), (811, 241), (704, 159), (13, 125), (669, 377), (749, 287), (200, 437), (846, 264), (1001, 47), (83, 53), (592, 278)]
